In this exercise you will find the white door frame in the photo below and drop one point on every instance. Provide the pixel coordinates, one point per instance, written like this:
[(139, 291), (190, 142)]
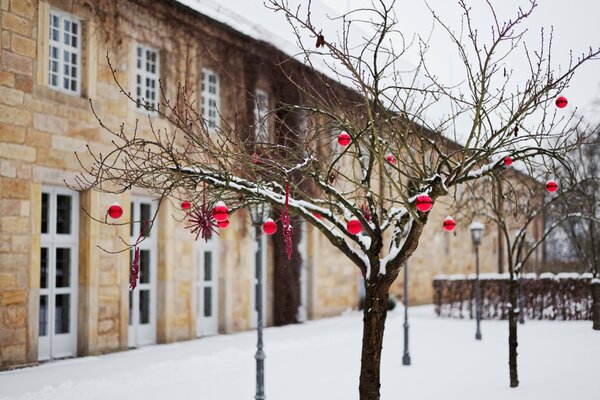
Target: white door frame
[(253, 280), (303, 250), (207, 325), (53, 345), (140, 334)]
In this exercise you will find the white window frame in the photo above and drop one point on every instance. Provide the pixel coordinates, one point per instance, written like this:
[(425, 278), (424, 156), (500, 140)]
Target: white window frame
[(261, 117), (62, 49), (51, 240), (143, 75), (213, 120)]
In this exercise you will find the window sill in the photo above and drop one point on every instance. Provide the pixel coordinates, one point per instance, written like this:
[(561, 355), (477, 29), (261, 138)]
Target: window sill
[(60, 97)]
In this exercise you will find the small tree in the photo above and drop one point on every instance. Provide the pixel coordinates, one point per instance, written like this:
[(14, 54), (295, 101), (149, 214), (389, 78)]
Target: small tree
[(395, 156)]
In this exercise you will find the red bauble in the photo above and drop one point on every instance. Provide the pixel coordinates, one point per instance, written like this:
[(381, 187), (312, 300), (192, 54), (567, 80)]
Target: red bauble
[(449, 224), (223, 224), (255, 158), (316, 215), (551, 186), (391, 159), (424, 203), (354, 226), (269, 226), (220, 212), (186, 205), (507, 161), (115, 211), (561, 102), (344, 139)]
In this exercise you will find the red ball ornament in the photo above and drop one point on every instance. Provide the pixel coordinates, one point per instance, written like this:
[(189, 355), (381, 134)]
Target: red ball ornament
[(507, 161), (391, 159), (269, 226), (186, 205), (223, 224), (316, 215), (449, 224), (551, 186), (561, 102), (344, 139), (255, 158), (115, 211), (424, 203), (354, 226), (220, 212)]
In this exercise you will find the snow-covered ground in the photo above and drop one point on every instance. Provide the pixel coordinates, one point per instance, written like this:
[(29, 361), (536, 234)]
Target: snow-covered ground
[(320, 360)]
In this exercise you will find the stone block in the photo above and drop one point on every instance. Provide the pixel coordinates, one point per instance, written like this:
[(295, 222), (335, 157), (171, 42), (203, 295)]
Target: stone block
[(107, 326), (8, 281), (23, 46), (13, 298), (17, 63), (7, 169), (12, 133), (49, 123), (24, 83), (15, 225), (57, 159), (11, 97), (12, 336), (14, 188), (24, 172), (20, 243), (6, 40), (7, 79), (4, 5), (25, 8), (14, 353), (9, 207), (14, 116), (14, 316), (38, 139), (17, 152), (15, 24)]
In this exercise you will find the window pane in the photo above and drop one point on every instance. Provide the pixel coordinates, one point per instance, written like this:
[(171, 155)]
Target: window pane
[(43, 315), (144, 266), (44, 268), (144, 306), (130, 307), (207, 266), (145, 216), (63, 214), (63, 267), (62, 311), (207, 301), (132, 215), (45, 211)]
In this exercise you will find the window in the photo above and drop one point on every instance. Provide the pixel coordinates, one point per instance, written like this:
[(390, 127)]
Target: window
[(261, 117), (64, 53), (210, 99), (147, 71)]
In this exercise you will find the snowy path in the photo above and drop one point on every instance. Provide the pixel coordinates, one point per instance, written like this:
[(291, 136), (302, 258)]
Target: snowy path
[(320, 360)]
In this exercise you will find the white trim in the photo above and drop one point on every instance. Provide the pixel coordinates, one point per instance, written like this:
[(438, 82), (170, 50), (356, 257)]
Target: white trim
[(143, 334), (303, 250), (207, 326), (253, 281), (54, 345), (261, 117), (211, 100), (146, 79), (58, 50)]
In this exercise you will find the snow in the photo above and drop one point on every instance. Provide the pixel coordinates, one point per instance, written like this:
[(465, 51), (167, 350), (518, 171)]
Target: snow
[(320, 360)]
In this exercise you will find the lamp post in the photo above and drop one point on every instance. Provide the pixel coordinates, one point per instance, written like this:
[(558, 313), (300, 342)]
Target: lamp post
[(257, 213), (476, 234), (406, 356)]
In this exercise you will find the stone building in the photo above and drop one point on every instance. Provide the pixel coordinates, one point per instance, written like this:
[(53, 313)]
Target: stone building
[(63, 282)]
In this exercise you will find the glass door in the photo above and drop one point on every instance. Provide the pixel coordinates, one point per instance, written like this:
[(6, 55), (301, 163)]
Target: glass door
[(207, 321)]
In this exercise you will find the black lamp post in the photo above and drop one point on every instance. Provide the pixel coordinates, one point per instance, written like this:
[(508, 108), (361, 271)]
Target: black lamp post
[(257, 213), (406, 356), (476, 235)]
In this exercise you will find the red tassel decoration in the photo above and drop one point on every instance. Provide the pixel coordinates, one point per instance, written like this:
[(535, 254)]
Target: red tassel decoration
[(134, 272), (286, 223)]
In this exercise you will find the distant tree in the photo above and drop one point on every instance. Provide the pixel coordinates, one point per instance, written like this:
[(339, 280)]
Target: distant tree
[(394, 149)]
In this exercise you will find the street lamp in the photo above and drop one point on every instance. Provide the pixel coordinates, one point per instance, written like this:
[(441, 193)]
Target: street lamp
[(257, 214), (406, 356), (476, 235)]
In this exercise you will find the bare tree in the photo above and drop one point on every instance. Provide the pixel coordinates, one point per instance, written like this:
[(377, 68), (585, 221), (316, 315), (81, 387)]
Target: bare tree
[(396, 157)]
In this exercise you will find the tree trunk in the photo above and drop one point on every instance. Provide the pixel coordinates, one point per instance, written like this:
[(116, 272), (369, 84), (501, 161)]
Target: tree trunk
[(512, 332), (374, 315), (596, 305)]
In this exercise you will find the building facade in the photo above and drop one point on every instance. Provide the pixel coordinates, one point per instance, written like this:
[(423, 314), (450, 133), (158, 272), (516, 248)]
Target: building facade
[(64, 275)]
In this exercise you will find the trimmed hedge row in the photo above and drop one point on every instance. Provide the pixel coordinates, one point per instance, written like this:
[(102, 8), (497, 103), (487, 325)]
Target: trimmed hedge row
[(564, 296)]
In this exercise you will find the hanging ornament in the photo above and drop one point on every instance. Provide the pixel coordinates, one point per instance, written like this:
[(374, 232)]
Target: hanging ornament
[(354, 226), (255, 158), (551, 186), (391, 159), (449, 224), (344, 139), (424, 203), (223, 224), (115, 211), (508, 161), (220, 212), (288, 231), (134, 270), (186, 205), (201, 220), (561, 102), (366, 212), (316, 215), (269, 226)]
